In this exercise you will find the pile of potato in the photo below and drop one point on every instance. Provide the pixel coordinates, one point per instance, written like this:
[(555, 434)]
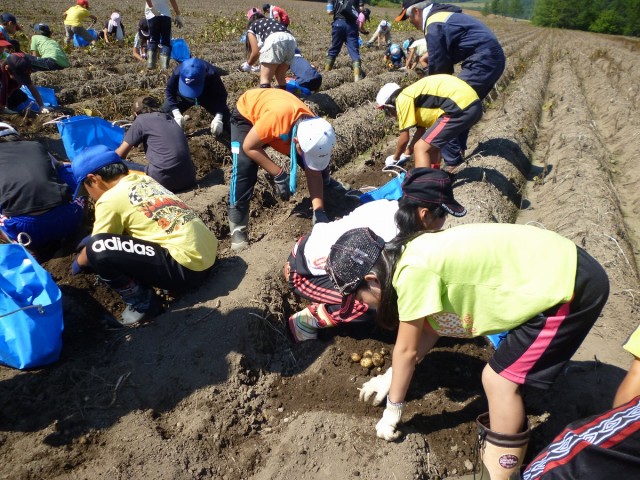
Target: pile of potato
[(370, 359)]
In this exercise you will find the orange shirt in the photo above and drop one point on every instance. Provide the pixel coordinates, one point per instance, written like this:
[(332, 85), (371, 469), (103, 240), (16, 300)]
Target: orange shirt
[(273, 112)]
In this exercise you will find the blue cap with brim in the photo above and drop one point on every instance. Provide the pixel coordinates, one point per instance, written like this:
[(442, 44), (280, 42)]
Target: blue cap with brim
[(192, 73), (90, 160)]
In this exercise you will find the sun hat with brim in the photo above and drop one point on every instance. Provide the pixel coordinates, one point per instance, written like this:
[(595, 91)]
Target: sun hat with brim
[(431, 188), (192, 73), (385, 93), (316, 138), (20, 68), (351, 258), (405, 6), (6, 129), (88, 161)]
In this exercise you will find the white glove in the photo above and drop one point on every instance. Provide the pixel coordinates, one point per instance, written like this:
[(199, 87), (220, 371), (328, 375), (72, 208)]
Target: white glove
[(255, 68), (177, 116), (390, 160), (178, 21), (245, 67), (387, 427), (377, 388), (217, 125), (44, 110)]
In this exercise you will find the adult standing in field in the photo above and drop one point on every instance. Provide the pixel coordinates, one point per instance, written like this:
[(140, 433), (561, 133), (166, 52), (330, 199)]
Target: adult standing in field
[(74, 19), (344, 30), (158, 15), (427, 198), (143, 236), (270, 43), (440, 107), (165, 146), (35, 193), (602, 446), (467, 281), (454, 37), (196, 82), (276, 118), (47, 54)]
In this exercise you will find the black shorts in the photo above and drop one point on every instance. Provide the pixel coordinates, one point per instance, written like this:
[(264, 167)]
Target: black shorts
[(448, 127), (536, 352)]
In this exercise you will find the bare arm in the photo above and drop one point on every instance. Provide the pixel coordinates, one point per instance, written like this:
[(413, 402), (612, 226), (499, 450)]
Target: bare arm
[(253, 147), (314, 183), (174, 5), (36, 94), (630, 386), (405, 357), (403, 141), (254, 54), (416, 136), (123, 150), (136, 54)]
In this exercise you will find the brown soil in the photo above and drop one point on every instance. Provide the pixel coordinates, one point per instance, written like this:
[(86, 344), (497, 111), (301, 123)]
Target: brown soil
[(214, 388)]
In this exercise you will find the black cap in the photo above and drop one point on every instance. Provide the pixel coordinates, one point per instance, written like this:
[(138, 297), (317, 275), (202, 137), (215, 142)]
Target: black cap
[(352, 256), (20, 68), (143, 26), (431, 188)]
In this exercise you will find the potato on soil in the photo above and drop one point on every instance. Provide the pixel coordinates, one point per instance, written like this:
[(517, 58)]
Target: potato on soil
[(367, 353), (378, 360), (356, 357), (366, 362)]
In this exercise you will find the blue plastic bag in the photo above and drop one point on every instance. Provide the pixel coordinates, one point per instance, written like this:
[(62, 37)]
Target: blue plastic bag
[(83, 131), (180, 50), (31, 322), (392, 190), (81, 42), (295, 88), (48, 95)]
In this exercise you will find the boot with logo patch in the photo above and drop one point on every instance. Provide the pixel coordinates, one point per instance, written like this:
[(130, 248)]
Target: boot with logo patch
[(141, 303), (501, 454)]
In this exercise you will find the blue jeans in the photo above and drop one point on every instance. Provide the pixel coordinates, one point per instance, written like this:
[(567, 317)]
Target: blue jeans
[(341, 33)]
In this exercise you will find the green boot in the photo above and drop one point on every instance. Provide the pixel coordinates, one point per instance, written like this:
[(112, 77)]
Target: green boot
[(329, 63), (358, 74), (152, 59)]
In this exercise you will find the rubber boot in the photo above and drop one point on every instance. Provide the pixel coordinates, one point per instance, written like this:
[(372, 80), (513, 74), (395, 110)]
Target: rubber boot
[(141, 302), (238, 224), (358, 74), (501, 454), (329, 63), (164, 61), (152, 59)]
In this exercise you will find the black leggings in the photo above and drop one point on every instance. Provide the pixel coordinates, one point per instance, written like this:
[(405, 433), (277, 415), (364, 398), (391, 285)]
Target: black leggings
[(119, 258)]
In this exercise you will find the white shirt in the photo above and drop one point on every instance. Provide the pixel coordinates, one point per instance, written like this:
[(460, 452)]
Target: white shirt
[(379, 216), (161, 6)]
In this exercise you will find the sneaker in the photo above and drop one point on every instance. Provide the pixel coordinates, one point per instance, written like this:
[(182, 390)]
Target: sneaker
[(239, 240), (144, 306)]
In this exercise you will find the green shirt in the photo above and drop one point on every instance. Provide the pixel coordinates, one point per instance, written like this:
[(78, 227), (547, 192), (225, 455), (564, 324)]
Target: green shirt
[(480, 279), (47, 47)]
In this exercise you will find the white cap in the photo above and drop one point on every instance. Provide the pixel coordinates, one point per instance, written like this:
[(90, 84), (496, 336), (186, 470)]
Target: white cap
[(115, 18), (316, 138), (6, 129), (385, 93), (384, 23)]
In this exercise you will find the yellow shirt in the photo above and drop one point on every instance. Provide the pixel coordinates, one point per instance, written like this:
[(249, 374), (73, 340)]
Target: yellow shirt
[(76, 15), (142, 208), (423, 102), (633, 343)]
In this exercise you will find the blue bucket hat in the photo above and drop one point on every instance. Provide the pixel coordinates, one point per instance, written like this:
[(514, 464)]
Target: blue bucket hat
[(192, 73), (90, 160)]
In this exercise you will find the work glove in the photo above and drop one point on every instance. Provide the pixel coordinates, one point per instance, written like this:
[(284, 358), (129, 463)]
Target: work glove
[(245, 67), (387, 427), (178, 21), (319, 216), (217, 125), (177, 116), (376, 389), (255, 68), (44, 110), (391, 161), (368, 44), (282, 184)]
